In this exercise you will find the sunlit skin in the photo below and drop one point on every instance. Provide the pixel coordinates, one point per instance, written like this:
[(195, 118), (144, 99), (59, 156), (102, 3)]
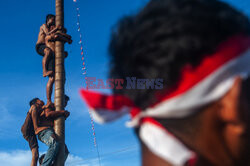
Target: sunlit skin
[(50, 39), (48, 34), (52, 36), (41, 40), (35, 156), (223, 136), (43, 117), (35, 153), (47, 55)]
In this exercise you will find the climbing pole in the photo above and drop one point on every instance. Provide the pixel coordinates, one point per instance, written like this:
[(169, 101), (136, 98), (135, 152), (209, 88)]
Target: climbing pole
[(59, 85)]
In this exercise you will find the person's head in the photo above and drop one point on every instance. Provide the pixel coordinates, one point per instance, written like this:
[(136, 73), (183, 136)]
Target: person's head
[(164, 37), (50, 20), (37, 102)]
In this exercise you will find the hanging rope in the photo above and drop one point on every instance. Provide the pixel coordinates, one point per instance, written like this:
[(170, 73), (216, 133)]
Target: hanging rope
[(84, 69)]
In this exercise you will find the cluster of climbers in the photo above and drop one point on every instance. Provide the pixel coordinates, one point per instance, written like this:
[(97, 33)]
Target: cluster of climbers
[(40, 118)]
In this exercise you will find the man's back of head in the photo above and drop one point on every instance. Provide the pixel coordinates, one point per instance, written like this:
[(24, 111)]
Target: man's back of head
[(33, 101), (166, 35)]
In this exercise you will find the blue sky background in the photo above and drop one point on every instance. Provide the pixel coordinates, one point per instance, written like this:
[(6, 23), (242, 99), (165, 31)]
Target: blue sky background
[(21, 77)]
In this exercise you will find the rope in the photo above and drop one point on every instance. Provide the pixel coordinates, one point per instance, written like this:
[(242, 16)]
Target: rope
[(84, 69)]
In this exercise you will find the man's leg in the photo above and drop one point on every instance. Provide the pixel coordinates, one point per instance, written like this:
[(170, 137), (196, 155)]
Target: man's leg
[(35, 156), (41, 159), (49, 89), (33, 144), (66, 153), (47, 54), (48, 137)]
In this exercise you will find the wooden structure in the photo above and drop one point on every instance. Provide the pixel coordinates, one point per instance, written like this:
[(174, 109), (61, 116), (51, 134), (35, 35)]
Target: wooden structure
[(59, 84)]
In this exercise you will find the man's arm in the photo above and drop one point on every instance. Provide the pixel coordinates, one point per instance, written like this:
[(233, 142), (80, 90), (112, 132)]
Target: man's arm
[(56, 29), (44, 29), (34, 115), (53, 30), (55, 114)]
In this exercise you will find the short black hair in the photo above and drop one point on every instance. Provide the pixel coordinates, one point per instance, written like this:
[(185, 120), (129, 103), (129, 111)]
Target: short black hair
[(66, 98), (166, 35), (49, 16), (33, 101)]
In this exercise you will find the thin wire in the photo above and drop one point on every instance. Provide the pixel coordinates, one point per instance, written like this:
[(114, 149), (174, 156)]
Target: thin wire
[(94, 134), (127, 149), (84, 69)]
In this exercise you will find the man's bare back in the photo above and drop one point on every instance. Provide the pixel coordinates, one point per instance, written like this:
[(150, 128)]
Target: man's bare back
[(41, 35)]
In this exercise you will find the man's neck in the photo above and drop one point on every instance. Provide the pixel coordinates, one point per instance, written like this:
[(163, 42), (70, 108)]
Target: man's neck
[(150, 159), (38, 108)]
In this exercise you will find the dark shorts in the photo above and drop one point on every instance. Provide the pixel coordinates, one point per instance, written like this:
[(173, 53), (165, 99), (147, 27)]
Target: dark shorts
[(51, 62), (40, 48), (32, 140)]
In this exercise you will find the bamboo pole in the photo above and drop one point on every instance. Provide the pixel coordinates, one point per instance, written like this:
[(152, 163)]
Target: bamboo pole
[(59, 85)]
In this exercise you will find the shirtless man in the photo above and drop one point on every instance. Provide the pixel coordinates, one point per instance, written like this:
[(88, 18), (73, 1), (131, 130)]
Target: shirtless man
[(28, 130), (50, 39), (40, 44), (46, 49), (43, 122), (51, 107)]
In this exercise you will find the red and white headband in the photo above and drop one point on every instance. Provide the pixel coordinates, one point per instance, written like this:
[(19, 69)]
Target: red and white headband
[(197, 86)]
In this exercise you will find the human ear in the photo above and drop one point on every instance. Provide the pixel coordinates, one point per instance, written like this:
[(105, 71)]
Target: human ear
[(229, 104), (229, 115)]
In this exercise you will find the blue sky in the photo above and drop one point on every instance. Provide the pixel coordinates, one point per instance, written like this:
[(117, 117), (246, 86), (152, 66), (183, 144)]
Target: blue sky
[(21, 78)]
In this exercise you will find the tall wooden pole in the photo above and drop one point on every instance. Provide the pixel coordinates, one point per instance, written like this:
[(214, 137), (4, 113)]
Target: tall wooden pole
[(59, 84)]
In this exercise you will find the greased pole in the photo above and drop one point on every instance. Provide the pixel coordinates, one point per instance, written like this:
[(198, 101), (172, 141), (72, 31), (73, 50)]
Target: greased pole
[(59, 85)]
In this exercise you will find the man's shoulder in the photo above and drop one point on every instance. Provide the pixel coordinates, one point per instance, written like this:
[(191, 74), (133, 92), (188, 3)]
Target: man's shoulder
[(33, 108), (43, 26)]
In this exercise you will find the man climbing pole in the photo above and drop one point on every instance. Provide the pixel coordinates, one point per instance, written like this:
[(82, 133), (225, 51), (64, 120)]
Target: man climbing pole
[(28, 129), (45, 47), (51, 110), (43, 122)]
